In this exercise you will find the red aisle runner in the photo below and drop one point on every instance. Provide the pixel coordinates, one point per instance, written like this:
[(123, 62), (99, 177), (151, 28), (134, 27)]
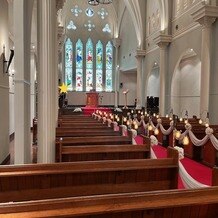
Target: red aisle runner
[(199, 172)]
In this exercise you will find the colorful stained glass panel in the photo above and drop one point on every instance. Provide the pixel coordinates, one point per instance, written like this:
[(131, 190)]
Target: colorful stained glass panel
[(89, 65), (79, 65), (68, 64), (109, 67)]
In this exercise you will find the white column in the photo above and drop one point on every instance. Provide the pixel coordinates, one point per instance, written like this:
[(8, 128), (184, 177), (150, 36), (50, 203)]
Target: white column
[(60, 53), (163, 41), (140, 55), (206, 23), (22, 32), (162, 77), (206, 16), (47, 68), (32, 87), (116, 43)]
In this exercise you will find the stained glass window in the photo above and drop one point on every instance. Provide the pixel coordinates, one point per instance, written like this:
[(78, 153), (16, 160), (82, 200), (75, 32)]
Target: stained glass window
[(99, 66), (89, 65), (68, 64), (79, 65), (109, 67)]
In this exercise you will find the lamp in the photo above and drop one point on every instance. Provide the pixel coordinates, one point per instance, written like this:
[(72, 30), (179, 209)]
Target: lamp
[(97, 2), (6, 64), (204, 121), (125, 94), (185, 140)]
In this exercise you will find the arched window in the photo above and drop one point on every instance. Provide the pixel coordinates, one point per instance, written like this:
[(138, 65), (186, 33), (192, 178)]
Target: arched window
[(69, 64), (109, 67), (99, 66), (79, 65), (89, 65)]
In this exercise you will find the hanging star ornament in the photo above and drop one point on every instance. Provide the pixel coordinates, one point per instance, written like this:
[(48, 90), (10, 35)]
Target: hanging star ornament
[(63, 88)]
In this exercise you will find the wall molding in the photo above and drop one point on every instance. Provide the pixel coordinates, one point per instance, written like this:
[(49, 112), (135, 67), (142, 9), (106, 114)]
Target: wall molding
[(185, 12), (22, 81), (193, 26), (4, 87), (6, 161), (152, 50)]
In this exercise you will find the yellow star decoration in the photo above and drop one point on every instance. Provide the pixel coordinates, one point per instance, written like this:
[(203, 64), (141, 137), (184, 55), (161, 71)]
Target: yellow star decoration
[(63, 88)]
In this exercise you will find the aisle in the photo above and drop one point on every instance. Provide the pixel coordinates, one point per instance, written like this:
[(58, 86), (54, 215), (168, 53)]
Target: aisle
[(198, 171)]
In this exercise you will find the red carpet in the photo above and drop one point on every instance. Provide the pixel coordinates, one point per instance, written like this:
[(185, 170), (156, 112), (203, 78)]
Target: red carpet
[(89, 110), (199, 172)]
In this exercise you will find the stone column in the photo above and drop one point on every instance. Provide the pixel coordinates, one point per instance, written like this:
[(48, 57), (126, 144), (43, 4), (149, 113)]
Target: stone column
[(60, 53), (22, 33), (162, 41), (32, 86), (47, 41), (140, 56), (206, 16), (116, 43)]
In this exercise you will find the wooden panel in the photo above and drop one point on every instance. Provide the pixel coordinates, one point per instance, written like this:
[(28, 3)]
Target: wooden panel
[(92, 99), (209, 154), (200, 203)]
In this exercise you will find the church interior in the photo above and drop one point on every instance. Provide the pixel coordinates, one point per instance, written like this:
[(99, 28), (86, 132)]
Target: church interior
[(108, 108)]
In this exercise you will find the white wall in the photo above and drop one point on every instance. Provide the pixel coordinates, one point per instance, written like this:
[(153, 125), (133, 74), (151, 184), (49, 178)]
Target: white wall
[(213, 108), (186, 87), (79, 98), (153, 22), (153, 88), (129, 43), (129, 81), (4, 83)]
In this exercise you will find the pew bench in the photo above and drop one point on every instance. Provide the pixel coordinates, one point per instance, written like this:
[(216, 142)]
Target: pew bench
[(67, 132), (46, 181), (197, 203), (102, 152)]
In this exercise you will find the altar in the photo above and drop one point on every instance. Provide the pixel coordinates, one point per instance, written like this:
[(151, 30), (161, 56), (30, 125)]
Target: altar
[(92, 99)]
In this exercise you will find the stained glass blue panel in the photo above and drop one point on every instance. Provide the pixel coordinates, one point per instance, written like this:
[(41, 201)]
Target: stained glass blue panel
[(109, 67), (89, 65), (99, 66), (79, 65), (68, 64)]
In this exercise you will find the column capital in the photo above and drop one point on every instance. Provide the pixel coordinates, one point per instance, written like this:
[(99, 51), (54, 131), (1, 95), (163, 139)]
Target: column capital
[(140, 53), (205, 14), (116, 42), (163, 40)]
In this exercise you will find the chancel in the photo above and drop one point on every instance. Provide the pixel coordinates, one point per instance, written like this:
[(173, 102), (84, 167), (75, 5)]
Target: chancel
[(108, 108)]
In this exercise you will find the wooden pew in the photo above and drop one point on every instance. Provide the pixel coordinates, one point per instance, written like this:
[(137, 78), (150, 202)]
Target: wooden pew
[(79, 124), (68, 132), (90, 140), (102, 152), (197, 203), (47, 181)]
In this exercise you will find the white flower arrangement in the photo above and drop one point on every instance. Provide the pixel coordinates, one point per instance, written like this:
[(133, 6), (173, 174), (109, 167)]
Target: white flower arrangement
[(118, 109), (180, 151), (154, 140), (78, 109)]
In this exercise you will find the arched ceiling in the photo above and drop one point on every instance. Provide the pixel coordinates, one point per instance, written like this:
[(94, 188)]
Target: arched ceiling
[(83, 20)]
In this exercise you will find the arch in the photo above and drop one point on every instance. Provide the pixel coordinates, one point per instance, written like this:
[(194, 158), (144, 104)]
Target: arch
[(135, 13), (164, 6), (185, 84), (153, 81)]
